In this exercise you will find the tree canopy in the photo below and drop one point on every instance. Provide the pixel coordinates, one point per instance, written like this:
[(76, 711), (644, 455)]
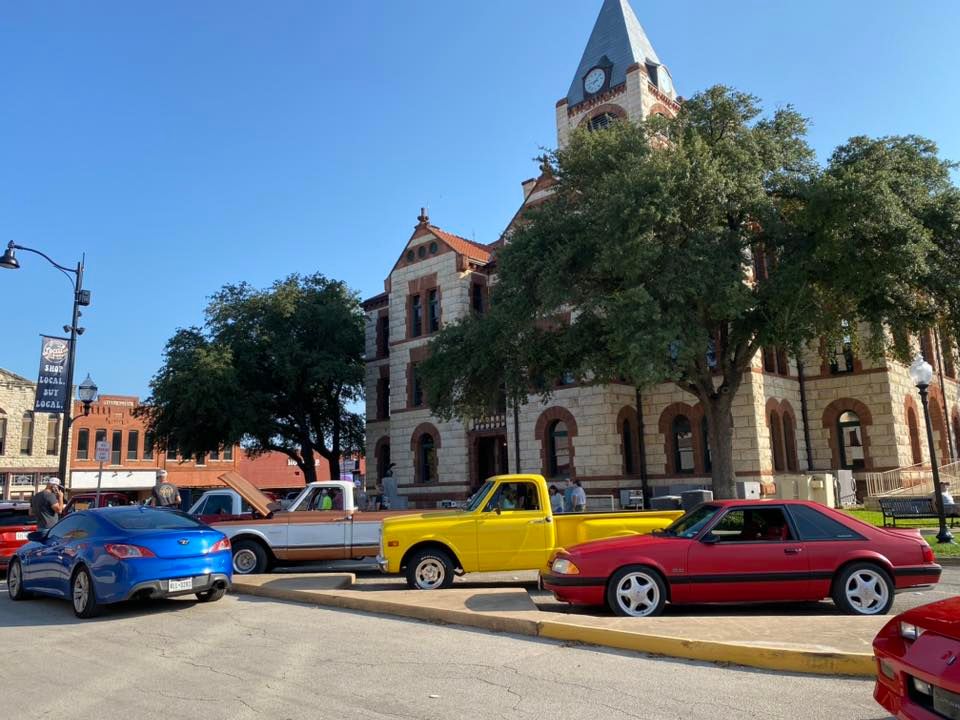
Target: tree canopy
[(277, 369), (674, 249)]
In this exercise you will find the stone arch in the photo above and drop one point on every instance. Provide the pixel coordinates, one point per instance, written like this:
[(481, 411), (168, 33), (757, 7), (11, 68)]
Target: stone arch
[(421, 430), (939, 427), (831, 416), (612, 108), (658, 108), (773, 417), (542, 428), (628, 414), (693, 413), (789, 419)]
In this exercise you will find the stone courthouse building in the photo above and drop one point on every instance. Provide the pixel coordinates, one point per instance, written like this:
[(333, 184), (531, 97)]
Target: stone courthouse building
[(833, 410)]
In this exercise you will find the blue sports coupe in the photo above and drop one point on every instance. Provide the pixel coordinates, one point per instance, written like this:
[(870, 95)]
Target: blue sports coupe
[(103, 556)]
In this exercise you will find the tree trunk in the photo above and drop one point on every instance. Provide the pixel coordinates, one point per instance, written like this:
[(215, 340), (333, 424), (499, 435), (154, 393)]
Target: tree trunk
[(308, 466), (334, 461), (720, 430)]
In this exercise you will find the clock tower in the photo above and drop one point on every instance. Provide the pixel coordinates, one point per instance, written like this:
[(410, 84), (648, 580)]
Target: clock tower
[(619, 76)]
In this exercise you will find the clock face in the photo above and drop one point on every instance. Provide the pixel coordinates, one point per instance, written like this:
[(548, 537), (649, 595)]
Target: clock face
[(594, 80)]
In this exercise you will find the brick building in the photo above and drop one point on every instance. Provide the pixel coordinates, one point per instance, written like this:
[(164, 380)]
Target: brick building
[(29, 441), (134, 460), (790, 418), (277, 472)]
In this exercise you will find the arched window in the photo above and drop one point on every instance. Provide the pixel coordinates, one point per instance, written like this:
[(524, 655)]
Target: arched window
[(776, 442), (427, 452), (705, 434), (790, 442), (914, 430), (26, 434), (559, 450), (850, 434), (53, 435), (601, 121), (383, 459), (682, 444), (3, 432), (956, 434), (626, 437)]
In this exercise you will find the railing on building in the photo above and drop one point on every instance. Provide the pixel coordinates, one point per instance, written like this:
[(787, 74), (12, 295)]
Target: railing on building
[(909, 480), (489, 422)]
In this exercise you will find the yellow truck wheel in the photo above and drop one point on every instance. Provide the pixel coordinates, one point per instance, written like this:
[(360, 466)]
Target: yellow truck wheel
[(430, 569)]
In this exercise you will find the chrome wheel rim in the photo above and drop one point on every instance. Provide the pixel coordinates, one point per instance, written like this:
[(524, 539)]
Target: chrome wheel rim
[(244, 561), (638, 594), (81, 591), (430, 574), (13, 579), (867, 592)]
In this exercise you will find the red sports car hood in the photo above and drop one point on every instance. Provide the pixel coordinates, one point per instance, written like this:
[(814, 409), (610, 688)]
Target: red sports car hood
[(628, 542), (941, 617)]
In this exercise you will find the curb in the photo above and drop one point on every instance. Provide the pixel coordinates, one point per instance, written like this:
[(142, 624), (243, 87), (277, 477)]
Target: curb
[(766, 658), (949, 561)]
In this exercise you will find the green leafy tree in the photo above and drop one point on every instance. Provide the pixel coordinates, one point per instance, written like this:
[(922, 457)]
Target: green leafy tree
[(680, 247), (277, 369)]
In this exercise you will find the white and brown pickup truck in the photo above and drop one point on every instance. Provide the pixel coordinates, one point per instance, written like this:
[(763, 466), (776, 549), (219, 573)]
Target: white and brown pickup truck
[(266, 535)]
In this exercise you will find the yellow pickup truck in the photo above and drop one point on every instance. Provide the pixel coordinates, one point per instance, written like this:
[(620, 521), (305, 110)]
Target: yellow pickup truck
[(506, 525)]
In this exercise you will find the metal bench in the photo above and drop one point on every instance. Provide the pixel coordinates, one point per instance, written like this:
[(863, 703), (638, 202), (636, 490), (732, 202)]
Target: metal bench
[(913, 508)]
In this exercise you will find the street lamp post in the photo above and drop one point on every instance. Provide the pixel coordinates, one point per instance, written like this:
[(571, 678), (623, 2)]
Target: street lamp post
[(922, 373), (81, 298)]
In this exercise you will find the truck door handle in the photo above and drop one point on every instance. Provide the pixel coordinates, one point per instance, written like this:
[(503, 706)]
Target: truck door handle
[(541, 521), (791, 551)]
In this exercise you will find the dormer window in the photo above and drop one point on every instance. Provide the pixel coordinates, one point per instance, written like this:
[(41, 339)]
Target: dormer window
[(601, 121), (653, 74)]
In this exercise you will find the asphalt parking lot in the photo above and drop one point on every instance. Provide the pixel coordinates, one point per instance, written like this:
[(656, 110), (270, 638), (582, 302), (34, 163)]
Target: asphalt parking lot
[(247, 657)]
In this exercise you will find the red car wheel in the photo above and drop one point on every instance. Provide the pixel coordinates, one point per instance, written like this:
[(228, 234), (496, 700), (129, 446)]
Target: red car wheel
[(863, 589), (636, 591)]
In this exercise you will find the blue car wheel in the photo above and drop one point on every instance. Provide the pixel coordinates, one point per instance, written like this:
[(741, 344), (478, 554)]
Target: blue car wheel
[(83, 594), (15, 581)]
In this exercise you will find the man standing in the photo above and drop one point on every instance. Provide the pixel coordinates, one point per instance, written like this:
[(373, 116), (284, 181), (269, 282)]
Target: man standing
[(165, 494), (579, 497), (568, 495), (48, 504)]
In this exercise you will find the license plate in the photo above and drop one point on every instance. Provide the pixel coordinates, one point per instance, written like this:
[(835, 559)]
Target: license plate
[(22, 535), (946, 703), (177, 585)]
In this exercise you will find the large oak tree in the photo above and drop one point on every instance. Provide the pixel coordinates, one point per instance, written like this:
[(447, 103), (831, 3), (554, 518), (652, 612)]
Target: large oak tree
[(678, 248), (277, 369)]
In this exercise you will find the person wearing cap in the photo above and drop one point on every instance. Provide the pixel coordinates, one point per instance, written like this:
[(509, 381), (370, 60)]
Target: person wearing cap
[(165, 494), (48, 504)]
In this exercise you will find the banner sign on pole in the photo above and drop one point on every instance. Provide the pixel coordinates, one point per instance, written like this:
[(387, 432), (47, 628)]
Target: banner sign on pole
[(53, 395)]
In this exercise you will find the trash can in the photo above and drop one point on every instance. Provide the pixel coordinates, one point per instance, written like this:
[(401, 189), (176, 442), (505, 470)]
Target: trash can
[(666, 502), (691, 498)]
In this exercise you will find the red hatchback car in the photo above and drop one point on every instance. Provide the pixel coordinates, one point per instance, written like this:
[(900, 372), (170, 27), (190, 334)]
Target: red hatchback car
[(918, 663), (15, 523), (736, 551)]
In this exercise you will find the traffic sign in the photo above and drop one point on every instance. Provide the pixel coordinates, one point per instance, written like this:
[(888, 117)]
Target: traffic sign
[(102, 453)]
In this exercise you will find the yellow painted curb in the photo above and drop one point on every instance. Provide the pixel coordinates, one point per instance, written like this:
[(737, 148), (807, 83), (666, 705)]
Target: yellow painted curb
[(783, 659), (767, 658), (484, 621)]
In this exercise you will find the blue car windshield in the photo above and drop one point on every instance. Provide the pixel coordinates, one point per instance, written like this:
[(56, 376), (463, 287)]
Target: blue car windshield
[(148, 519)]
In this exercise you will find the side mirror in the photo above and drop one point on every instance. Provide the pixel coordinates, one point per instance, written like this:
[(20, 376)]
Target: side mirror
[(710, 539), (497, 508), (37, 536)]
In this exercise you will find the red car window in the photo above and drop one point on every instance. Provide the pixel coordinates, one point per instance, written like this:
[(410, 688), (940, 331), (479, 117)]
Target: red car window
[(753, 525)]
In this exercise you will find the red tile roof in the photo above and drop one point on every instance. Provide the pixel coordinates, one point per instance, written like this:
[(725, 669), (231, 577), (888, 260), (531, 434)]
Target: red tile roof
[(472, 250)]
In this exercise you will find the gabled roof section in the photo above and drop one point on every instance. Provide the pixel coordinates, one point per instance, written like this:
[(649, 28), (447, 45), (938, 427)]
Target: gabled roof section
[(12, 377), (619, 36)]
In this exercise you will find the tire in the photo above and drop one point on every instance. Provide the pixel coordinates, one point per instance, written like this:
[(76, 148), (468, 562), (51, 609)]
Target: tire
[(863, 589), (249, 558), (83, 595), (211, 595), (15, 581), (430, 569), (636, 591)]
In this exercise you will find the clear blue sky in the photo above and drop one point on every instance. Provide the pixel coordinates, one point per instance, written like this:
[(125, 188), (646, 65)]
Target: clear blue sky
[(185, 145)]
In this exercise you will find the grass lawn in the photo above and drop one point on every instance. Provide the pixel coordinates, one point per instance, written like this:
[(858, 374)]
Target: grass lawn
[(875, 517)]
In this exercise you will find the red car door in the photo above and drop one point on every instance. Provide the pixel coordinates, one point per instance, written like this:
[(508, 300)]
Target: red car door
[(751, 554)]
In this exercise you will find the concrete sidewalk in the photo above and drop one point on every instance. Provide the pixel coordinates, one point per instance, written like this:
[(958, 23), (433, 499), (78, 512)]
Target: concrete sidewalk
[(821, 644)]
